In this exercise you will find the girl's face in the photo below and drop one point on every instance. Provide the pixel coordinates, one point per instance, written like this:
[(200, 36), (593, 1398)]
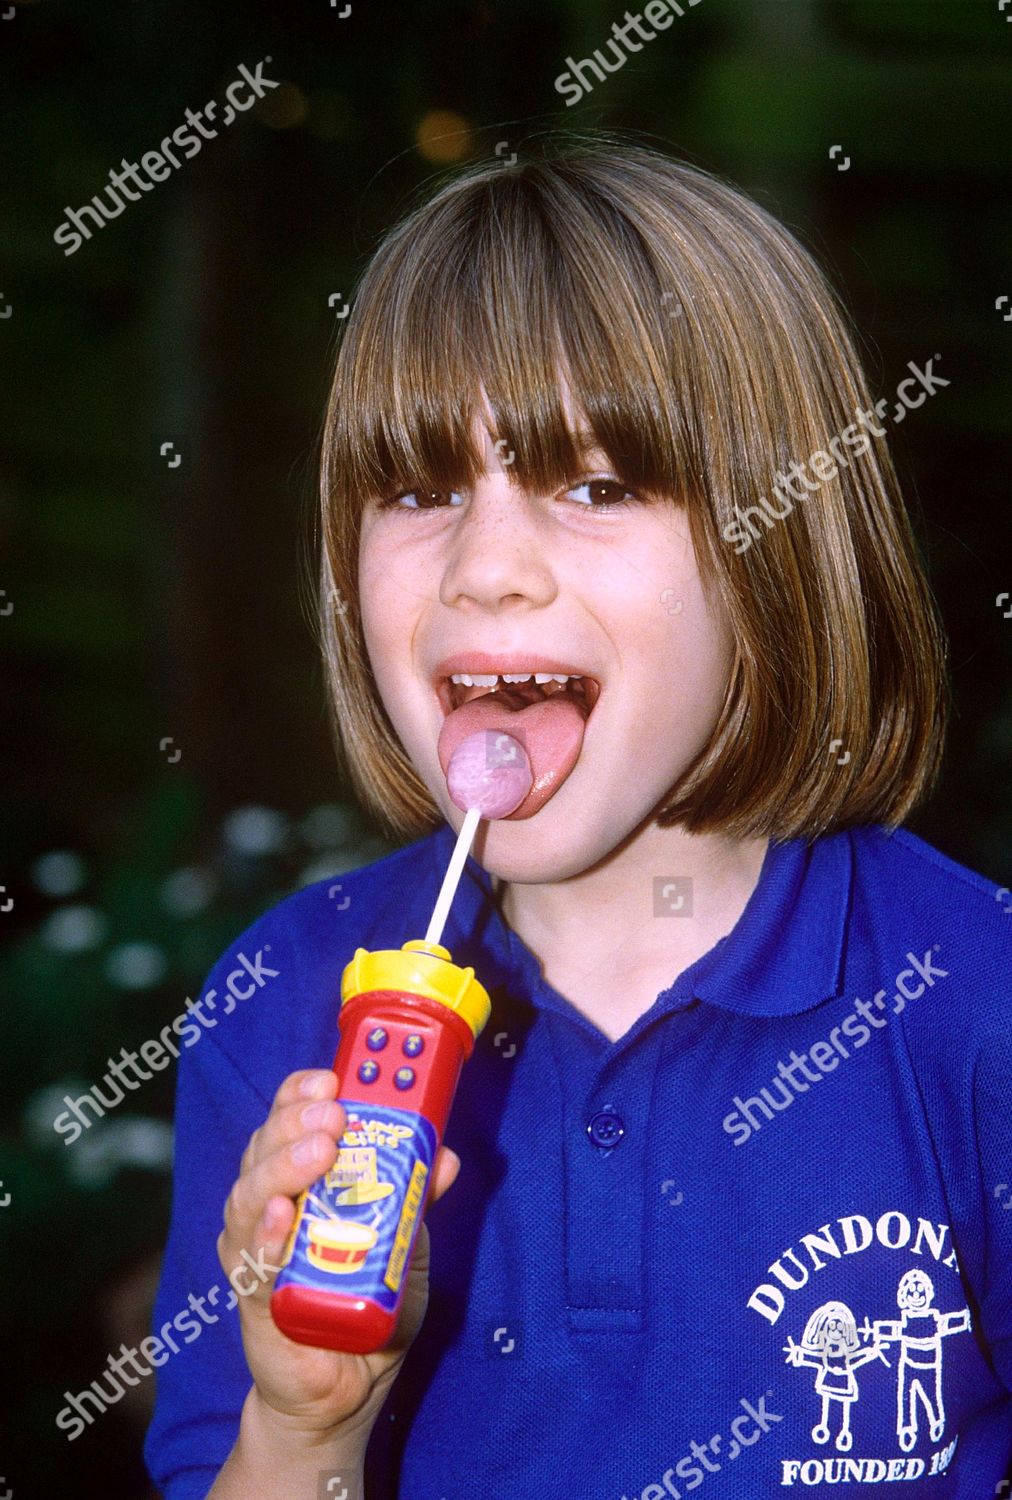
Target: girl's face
[(515, 573)]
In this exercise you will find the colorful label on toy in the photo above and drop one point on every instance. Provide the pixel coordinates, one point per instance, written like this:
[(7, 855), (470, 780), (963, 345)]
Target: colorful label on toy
[(355, 1227)]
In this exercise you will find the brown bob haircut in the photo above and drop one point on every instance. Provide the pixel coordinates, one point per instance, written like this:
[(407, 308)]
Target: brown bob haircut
[(706, 351)]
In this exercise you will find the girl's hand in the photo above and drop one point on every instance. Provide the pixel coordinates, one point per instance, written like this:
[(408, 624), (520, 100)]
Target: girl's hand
[(315, 1390)]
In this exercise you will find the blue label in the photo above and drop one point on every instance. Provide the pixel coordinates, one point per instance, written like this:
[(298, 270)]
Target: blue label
[(356, 1226)]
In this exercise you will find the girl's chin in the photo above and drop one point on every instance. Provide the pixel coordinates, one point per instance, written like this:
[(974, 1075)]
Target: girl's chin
[(540, 850)]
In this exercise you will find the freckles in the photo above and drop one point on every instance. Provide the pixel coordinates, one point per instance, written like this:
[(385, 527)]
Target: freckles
[(394, 596), (381, 571)]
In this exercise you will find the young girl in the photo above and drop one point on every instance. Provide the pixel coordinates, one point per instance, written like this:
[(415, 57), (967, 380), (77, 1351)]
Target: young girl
[(597, 416)]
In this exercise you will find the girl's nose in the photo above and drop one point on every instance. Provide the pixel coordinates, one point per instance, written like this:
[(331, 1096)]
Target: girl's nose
[(496, 552)]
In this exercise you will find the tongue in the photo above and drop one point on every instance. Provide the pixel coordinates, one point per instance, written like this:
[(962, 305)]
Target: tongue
[(551, 732)]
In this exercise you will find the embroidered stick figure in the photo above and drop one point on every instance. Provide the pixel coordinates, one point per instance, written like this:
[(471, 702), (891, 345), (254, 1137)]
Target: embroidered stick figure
[(831, 1346), (919, 1333)]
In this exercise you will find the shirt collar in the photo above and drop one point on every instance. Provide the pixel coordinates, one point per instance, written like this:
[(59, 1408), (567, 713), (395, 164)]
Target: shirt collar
[(784, 955)]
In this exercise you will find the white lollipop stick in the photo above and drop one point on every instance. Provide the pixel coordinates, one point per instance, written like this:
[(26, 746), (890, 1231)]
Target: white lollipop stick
[(451, 879), (489, 776)]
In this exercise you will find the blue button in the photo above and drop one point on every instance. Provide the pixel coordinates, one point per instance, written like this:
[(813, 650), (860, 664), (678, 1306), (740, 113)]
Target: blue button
[(413, 1044), (368, 1071), (404, 1078), (605, 1129), (377, 1039)]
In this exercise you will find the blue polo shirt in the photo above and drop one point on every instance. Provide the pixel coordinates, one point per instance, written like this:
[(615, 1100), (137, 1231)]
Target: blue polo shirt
[(759, 1244)]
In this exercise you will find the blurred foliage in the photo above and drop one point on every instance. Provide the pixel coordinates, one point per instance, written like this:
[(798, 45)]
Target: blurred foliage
[(113, 955), (142, 605)]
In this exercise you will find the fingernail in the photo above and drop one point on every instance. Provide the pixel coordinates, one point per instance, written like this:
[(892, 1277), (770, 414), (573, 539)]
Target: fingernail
[(313, 1086), (315, 1114), (305, 1150)]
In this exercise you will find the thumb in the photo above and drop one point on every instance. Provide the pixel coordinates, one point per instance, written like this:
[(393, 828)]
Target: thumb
[(444, 1173)]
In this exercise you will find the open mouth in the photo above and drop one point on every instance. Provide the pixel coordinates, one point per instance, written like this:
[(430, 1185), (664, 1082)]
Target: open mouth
[(517, 690), (545, 711)]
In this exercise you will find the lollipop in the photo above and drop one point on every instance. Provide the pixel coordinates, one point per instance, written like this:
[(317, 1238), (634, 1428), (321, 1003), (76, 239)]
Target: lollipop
[(489, 776), (490, 771)]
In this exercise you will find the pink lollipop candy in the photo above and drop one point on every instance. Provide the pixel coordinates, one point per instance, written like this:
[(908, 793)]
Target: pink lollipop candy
[(489, 770)]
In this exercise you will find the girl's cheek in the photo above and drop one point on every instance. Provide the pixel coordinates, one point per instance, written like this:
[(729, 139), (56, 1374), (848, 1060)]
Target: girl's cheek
[(381, 570), (395, 570)]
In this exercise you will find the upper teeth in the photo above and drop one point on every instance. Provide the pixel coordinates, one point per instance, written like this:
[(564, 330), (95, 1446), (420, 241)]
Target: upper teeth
[(479, 679)]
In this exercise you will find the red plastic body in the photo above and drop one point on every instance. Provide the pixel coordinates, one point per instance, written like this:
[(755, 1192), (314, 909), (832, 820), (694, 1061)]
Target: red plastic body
[(359, 1324)]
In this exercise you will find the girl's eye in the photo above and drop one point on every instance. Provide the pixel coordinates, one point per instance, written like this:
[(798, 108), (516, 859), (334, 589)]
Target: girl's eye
[(597, 491), (424, 500)]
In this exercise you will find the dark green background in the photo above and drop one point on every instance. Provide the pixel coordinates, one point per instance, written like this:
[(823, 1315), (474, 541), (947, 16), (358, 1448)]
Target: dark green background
[(150, 604)]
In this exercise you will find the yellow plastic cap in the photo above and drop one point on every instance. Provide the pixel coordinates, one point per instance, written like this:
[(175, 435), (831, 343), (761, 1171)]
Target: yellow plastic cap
[(421, 968)]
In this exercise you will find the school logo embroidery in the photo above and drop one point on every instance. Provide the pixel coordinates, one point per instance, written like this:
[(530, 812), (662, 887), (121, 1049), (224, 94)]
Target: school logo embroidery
[(831, 1345), (838, 1352)]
